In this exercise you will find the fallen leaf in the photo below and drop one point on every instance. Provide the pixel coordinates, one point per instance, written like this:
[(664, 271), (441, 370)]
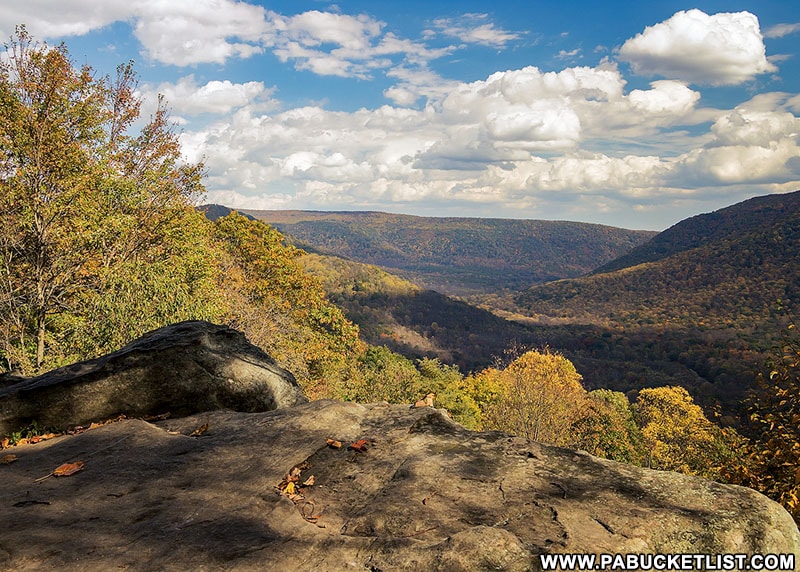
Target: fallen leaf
[(68, 469), (333, 443), (7, 459), (360, 445), (199, 431), (309, 482), (4, 443), (64, 470), (290, 488), (45, 437), (295, 471)]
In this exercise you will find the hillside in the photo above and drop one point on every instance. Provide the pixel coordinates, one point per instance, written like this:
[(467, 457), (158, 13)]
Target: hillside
[(737, 220), (415, 322), (458, 256), (716, 293), (725, 269)]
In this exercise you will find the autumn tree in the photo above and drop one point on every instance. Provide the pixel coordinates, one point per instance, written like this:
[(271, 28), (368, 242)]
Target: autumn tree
[(773, 464), (91, 209), (281, 308), (538, 396), (677, 434)]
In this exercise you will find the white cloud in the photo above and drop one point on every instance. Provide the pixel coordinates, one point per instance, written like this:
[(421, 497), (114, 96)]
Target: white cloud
[(757, 142), (52, 18), (781, 30), (190, 32), (502, 140), (666, 96), (475, 29), (691, 46), (178, 32), (186, 97)]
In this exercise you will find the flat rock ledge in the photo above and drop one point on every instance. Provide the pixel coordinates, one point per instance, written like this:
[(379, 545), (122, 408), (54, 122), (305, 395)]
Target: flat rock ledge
[(181, 369), (420, 493)]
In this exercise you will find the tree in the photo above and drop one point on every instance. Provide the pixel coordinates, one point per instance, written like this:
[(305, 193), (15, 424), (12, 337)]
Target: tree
[(540, 396), (281, 308), (451, 391), (677, 434), (608, 428), (773, 464), (381, 375), (88, 208)]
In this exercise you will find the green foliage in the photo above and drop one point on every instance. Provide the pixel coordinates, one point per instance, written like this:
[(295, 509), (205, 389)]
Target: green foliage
[(96, 224), (280, 307), (382, 375), (608, 428), (451, 390)]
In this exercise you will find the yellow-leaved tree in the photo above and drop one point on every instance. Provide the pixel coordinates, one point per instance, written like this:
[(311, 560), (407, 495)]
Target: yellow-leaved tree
[(772, 465), (677, 434), (537, 396)]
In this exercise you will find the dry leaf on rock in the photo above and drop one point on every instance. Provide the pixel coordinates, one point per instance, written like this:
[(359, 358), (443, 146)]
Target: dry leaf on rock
[(360, 445), (199, 431), (7, 459), (64, 470), (68, 469), (333, 443)]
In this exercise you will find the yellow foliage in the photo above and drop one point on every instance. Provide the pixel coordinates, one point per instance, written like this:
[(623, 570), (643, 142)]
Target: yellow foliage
[(538, 396), (678, 435)]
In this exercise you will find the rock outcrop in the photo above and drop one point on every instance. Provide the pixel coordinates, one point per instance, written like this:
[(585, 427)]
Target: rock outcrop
[(182, 369), (415, 492)]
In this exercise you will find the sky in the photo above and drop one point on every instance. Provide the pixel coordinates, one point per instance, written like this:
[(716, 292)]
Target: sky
[(627, 113)]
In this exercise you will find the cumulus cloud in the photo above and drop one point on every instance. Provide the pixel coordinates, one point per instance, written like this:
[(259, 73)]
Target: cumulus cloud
[(666, 96), (721, 49), (192, 32), (51, 18), (756, 142), (178, 32), (186, 97), (497, 140)]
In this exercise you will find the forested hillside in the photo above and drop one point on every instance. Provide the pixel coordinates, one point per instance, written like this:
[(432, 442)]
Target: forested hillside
[(743, 274), (458, 256), (752, 215), (715, 308)]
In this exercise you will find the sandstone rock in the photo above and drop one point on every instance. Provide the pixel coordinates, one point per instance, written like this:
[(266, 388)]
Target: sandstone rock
[(426, 495), (182, 369)]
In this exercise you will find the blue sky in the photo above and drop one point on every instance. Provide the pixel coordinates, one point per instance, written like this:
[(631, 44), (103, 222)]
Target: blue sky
[(634, 114)]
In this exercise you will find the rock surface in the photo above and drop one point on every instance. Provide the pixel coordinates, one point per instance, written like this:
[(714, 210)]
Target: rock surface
[(424, 494), (182, 369)]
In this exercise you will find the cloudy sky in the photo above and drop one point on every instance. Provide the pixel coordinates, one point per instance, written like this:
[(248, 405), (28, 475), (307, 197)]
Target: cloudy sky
[(629, 113)]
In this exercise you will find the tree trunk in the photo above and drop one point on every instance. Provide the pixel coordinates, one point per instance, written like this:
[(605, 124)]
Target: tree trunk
[(40, 332)]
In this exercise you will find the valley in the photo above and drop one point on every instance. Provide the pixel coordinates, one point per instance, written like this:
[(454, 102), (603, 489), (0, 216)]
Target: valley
[(698, 305)]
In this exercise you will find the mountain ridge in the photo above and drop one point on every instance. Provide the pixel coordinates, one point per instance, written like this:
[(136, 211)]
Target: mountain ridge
[(703, 228), (457, 255)]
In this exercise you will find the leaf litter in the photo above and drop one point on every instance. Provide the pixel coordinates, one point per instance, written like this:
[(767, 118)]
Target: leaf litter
[(295, 484)]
